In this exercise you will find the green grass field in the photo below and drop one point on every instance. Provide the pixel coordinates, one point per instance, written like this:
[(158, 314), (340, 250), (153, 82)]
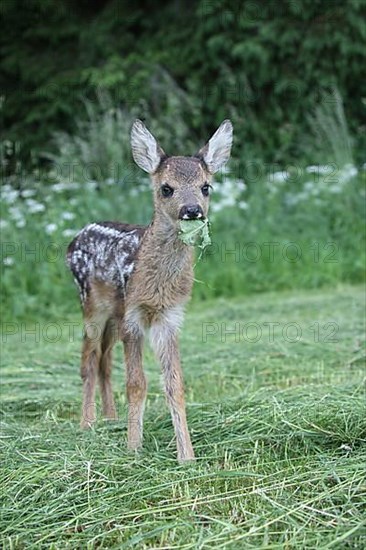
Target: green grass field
[(278, 422)]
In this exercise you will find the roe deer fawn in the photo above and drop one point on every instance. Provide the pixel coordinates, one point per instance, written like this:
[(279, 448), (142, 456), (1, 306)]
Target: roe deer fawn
[(135, 279)]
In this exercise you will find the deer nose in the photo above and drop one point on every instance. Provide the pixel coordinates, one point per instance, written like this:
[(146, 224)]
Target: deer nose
[(190, 212)]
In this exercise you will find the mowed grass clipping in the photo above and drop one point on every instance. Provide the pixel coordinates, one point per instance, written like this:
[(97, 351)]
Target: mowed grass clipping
[(278, 423)]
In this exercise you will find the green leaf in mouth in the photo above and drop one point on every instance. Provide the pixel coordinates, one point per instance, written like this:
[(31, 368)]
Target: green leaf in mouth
[(193, 230)]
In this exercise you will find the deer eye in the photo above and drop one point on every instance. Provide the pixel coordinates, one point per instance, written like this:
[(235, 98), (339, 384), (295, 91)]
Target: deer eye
[(205, 189), (166, 190)]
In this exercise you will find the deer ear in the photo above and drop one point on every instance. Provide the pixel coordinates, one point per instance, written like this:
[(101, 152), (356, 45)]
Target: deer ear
[(146, 151), (217, 151)]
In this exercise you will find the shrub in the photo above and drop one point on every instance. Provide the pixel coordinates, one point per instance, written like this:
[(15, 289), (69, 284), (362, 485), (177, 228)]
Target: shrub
[(265, 64), (99, 150)]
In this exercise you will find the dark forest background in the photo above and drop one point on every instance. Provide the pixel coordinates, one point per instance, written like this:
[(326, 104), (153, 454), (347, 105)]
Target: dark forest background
[(187, 65)]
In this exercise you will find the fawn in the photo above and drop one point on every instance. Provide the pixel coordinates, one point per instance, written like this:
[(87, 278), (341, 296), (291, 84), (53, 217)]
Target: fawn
[(135, 279)]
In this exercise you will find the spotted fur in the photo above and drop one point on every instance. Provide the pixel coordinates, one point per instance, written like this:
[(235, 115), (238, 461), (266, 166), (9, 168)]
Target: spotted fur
[(135, 280), (105, 252)]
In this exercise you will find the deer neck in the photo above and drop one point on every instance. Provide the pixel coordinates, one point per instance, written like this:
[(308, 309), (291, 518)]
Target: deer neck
[(163, 240), (163, 275)]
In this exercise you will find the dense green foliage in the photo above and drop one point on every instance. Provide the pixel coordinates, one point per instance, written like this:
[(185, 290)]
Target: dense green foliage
[(184, 67), (279, 430), (290, 231)]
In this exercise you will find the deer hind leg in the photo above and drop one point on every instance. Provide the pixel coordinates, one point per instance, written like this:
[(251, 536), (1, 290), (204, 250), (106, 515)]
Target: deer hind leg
[(90, 359), (105, 371), (164, 341), (98, 310), (136, 389)]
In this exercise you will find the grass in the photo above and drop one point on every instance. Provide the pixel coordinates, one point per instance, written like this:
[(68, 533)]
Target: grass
[(279, 430)]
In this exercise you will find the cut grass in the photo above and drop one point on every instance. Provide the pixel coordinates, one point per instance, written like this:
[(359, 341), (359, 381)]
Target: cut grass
[(279, 430)]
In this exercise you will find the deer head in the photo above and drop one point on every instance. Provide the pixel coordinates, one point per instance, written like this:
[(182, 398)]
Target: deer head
[(181, 184)]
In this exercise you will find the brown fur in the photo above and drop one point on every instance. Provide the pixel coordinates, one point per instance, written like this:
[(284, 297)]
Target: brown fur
[(153, 298)]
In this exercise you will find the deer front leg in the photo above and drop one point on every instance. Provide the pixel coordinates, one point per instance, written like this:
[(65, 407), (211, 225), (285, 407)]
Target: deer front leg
[(136, 390), (164, 340)]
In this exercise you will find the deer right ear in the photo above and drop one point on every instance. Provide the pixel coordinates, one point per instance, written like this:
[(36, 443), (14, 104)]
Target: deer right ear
[(146, 151), (217, 151)]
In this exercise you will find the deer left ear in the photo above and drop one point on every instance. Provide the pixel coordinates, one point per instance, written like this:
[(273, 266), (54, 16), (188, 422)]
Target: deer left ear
[(146, 151), (217, 151)]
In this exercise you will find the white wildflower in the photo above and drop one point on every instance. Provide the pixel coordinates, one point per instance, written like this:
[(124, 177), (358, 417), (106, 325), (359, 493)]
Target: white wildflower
[(69, 232), (34, 207), (310, 190), (145, 182), (320, 169), (335, 189), (59, 187), (91, 185), (67, 186), (243, 205), (228, 188), (229, 200), (279, 177), (4, 224), (291, 199), (50, 228), (348, 172), (20, 223), (216, 207), (37, 208), (309, 186), (10, 195), (27, 193), (15, 213), (241, 185), (67, 216), (8, 260)]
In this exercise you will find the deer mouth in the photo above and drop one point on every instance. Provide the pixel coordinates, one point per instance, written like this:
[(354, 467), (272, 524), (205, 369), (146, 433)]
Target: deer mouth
[(191, 212), (186, 217)]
